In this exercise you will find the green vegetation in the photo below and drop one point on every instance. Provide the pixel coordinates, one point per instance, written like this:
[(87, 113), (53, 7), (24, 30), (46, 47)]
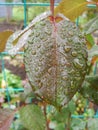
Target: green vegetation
[(32, 12), (13, 81)]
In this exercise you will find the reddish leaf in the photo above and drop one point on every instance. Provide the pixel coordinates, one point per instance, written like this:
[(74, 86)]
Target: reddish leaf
[(95, 0), (6, 118), (71, 8)]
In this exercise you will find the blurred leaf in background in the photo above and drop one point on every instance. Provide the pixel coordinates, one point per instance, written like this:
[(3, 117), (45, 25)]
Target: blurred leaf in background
[(67, 7), (3, 39)]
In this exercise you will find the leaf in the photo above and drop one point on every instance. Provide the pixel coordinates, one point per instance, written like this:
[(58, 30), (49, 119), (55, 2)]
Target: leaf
[(93, 54), (77, 124), (3, 38), (61, 116), (32, 117), (90, 92), (90, 41), (71, 106), (95, 0), (60, 126), (93, 124), (91, 26), (20, 43), (93, 80), (9, 42), (71, 8), (19, 40), (6, 118), (18, 125), (52, 66), (90, 112)]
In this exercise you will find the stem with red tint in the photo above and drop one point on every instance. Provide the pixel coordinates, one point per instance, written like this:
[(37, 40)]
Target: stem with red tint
[(52, 8)]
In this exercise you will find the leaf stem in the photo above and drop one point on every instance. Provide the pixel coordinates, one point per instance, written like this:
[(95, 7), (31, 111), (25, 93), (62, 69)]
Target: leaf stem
[(52, 7), (45, 114), (86, 127), (68, 122)]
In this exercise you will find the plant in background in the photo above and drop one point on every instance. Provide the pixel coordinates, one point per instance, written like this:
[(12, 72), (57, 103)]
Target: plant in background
[(57, 66), (13, 81)]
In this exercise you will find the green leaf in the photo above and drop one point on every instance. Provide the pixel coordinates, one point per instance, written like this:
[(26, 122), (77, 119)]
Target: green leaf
[(90, 41), (93, 124), (93, 80), (91, 26), (78, 124), (71, 106), (18, 125), (90, 112), (32, 117), (60, 126), (88, 91), (61, 116)]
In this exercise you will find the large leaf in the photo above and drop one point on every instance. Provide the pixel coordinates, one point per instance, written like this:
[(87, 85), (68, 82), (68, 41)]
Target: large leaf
[(3, 38), (91, 26), (6, 118), (32, 117), (53, 62), (71, 8)]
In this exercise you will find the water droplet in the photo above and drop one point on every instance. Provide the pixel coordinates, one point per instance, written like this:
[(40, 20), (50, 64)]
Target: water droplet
[(70, 40), (39, 63), (33, 52), (36, 69), (37, 34), (68, 64), (77, 64), (40, 84), (80, 35), (70, 33), (42, 36), (63, 36), (32, 33), (42, 52), (49, 70), (71, 71), (43, 23), (30, 41), (74, 53), (67, 48), (65, 78), (48, 86), (72, 83), (48, 31), (39, 45)]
